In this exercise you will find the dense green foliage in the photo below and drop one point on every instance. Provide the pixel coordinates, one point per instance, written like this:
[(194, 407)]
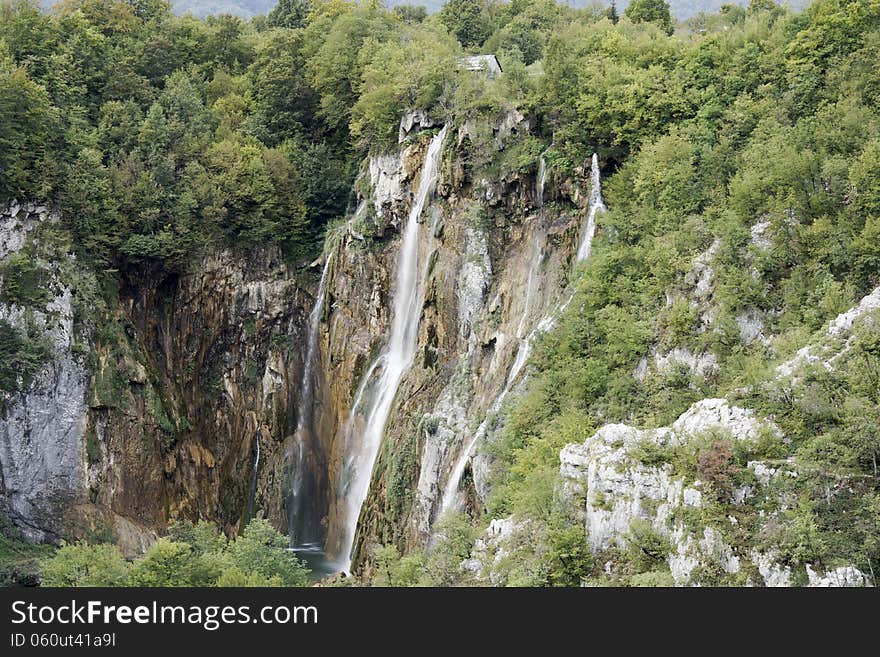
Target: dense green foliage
[(191, 555), (158, 134), (651, 11), (19, 558), (768, 117)]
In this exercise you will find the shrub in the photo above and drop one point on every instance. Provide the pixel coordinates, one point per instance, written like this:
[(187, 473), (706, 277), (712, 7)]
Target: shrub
[(715, 467), (81, 564), (20, 357), (646, 547)]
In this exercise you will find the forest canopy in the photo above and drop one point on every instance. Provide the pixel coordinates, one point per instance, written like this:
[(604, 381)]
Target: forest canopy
[(159, 134)]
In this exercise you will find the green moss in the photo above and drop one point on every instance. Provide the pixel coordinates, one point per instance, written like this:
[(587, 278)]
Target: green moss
[(93, 450), (403, 469), (25, 283), (109, 382), (20, 357)]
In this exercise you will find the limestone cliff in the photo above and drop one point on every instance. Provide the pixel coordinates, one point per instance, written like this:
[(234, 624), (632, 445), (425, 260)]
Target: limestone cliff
[(160, 384), (624, 483), (496, 264), (150, 398)]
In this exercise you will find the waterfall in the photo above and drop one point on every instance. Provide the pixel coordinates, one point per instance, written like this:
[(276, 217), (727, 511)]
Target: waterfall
[(254, 470), (451, 494), (451, 498), (596, 205), (542, 179), (395, 360), (304, 519)]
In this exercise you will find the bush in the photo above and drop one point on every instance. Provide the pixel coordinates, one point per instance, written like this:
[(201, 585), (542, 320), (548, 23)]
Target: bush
[(191, 555), (20, 357), (166, 563), (715, 467), (455, 537), (653, 579), (569, 558), (24, 281), (646, 547), (260, 549), (81, 564), (390, 569)]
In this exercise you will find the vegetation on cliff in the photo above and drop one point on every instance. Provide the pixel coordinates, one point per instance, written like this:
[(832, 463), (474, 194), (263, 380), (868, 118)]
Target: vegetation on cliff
[(769, 122), (752, 136)]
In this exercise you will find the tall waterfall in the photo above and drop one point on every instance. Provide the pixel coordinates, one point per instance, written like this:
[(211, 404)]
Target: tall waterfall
[(255, 469), (304, 515), (542, 179), (395, 359), (596, 205), (451, 498)]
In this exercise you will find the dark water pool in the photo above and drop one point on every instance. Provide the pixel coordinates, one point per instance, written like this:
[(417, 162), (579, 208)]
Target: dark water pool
[(314, 555)]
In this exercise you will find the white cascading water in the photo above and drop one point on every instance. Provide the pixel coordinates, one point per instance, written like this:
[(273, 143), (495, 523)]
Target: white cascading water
[(255, 469), (542, 179), (395, 360), (452, 498), (596, 205), (303, 527)]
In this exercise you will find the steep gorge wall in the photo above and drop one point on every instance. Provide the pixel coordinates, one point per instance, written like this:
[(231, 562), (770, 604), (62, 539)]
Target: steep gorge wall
[(179, 373), (149, 402), (485, 243)]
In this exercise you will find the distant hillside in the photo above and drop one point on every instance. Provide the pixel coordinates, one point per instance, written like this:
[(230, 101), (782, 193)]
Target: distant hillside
[(681, 9), (243, 8)]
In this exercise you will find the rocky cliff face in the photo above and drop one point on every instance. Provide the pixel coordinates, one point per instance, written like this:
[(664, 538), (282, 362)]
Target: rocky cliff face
[(159, 385), (496, 263), (44, 421), (624, 483), (149, 401), (142, 397)]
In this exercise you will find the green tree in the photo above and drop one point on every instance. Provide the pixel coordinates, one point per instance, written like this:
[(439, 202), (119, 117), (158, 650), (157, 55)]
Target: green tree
[(234, 577), (411, 13), (611, 12), (27, 132), (468, 20), (90, 207), (650, 11), (455, 537), (406, 73), (335, 70), (285, 103), (203, 537), (261, 550), (761, 6), (166, 563), (289, 13), (81, 564)]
